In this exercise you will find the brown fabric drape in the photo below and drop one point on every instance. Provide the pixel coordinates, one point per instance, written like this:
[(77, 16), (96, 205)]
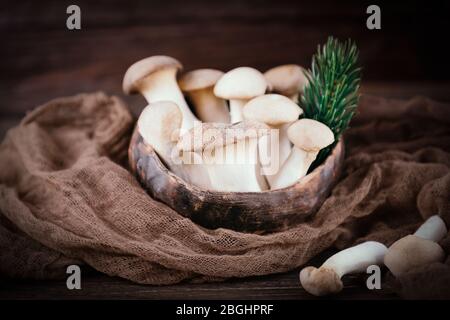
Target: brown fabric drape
[(65, 198)]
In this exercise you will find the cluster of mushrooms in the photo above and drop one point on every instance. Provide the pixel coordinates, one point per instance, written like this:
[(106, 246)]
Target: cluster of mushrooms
[(236, 114), (406, 254), (240, 131)]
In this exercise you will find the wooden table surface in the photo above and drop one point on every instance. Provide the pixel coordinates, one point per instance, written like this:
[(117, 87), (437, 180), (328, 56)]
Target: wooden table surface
[(274, 287), (41, 60)]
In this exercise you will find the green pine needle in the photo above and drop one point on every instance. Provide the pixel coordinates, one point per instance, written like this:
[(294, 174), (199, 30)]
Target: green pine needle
[(331, 95)]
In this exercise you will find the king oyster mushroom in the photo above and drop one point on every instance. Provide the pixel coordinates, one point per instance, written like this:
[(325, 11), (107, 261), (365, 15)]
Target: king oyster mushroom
[(417, 250), (159, 125), (309, 137), (198, 85), (155, 79), (278, 112), (288, 80), (327, 279), (229, 153), (239, 86)]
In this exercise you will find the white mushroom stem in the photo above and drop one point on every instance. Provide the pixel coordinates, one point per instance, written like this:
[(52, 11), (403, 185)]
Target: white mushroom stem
[(274, 149), (208, 107), (236, 107), (154, 134), (162, 86), (327, 278), (190, 167), (285, 144), (269, 155), (356, 259), (294, 168), (432, 229), (235, 167)]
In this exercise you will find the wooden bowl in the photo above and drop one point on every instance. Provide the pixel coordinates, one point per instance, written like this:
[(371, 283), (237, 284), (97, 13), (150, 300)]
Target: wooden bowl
[(257, 212)]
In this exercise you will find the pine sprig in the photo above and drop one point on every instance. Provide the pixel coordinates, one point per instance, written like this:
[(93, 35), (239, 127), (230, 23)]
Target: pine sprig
[(331, 96)]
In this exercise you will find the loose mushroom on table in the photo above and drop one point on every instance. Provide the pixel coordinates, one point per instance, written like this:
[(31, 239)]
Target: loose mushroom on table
[(419, 249), (327, 279)]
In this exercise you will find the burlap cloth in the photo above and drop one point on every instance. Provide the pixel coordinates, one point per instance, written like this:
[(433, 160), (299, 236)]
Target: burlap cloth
[(65, 198)]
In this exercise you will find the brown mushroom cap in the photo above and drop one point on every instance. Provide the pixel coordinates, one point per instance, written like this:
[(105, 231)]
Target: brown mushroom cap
[(272, 109), (143, 68), (199, 79), (310, 135), (241, 83), (411, 252), (215, 135), (320, 282), (286, 79)]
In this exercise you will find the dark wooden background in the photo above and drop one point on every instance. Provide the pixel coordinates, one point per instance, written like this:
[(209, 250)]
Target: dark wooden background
[(40, 59)]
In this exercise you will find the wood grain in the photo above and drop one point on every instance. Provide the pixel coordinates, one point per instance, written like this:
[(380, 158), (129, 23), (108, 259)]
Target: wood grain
[(274, 287), (42, 60)]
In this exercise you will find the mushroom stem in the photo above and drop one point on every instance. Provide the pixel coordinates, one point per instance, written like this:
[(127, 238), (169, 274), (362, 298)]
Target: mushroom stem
[(236, 106), (274, 149), (294, 168), (235, 168), (433, 229), (309, 137), (327, 279), (157, 124), (269, 155), (229, 153), (277, 112), (162, 86), (208, 107), (356, 259), (285, 145), (192, 170)]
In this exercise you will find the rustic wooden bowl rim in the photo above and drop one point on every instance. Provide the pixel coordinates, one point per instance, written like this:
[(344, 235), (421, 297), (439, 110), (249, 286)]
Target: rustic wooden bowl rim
[(244, 194)]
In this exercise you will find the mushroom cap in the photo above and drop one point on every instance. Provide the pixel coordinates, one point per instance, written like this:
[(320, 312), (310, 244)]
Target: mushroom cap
[(286, 79), (158, 122), (199, 79), (241, 83), (216, 135), (143, 68), (433, 229), (320, 282), (272, 109), (411, 252), (310, 135)]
